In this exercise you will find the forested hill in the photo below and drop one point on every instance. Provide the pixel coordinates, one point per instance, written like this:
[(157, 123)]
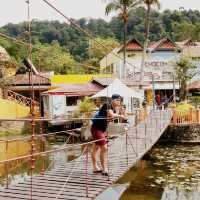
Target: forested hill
[(177, 25)]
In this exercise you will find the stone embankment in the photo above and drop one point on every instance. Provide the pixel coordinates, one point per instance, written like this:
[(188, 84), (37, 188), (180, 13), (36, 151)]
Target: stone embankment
[(182, 133)]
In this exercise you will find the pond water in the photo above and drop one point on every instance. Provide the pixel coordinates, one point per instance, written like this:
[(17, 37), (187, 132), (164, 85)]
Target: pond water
[(20, 170), (167, 172)]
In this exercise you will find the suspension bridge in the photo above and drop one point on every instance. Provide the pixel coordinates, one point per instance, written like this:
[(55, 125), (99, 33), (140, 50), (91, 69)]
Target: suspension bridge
[(76, 180)]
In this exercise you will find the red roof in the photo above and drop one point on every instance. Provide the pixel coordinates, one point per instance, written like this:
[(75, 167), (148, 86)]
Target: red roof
[(87, 89), (186, 43), (163, 45), (132, 45), (104, 82), (195, 85)]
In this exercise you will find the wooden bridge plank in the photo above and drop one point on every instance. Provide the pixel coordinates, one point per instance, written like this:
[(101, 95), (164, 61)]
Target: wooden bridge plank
[(77, 181), (44, 193), (58, 185), (47, 186)]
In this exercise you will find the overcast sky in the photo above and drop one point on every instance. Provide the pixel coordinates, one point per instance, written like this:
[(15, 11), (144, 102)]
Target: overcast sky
[(16, 10)]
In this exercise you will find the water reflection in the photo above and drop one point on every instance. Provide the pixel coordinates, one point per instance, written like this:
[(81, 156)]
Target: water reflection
[(167, 173), (19, 170)]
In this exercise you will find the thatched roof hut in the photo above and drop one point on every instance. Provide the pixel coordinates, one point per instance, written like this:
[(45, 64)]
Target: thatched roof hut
[(7, 65), (4, 56)]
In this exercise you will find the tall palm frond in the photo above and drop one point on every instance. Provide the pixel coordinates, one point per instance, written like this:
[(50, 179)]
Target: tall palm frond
[(113, 6), (152, 3), (118, 5)]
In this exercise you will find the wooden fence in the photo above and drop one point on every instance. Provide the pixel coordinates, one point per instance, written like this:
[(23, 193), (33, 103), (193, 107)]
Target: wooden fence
[(186, 117), (20, 99)]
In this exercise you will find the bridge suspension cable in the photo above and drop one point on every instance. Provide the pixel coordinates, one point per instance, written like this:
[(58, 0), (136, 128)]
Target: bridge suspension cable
[(86, 32)]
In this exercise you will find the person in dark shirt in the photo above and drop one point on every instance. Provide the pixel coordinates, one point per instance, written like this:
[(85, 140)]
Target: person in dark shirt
[(106, 114)]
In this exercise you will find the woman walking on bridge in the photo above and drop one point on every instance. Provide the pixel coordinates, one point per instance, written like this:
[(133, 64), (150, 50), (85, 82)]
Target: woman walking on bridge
[(106, 114)]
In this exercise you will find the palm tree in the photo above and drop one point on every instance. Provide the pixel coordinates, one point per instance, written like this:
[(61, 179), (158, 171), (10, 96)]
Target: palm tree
[(185, 70), (148, 5), (123, 7)]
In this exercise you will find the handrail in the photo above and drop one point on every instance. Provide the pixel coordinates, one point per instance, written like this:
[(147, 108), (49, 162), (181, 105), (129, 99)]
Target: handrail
[(130, 135), (187, 117), (20, 99), (50, 151)]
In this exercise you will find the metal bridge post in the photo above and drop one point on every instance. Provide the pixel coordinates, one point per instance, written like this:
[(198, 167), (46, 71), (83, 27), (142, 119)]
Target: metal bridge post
[(136, 146), (32, 152), (6, 170), (156, 125), (145, 132), (86, 172), (126, 131), (153, 90), (160, 120), (136, 123), (42, 148), (108, 157), (6, 165)]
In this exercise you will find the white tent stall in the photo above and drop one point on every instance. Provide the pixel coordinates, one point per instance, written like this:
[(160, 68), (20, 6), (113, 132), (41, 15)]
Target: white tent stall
[(117, 87)]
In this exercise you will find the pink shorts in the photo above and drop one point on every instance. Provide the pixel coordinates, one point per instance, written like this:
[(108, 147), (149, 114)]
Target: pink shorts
[(97, 135)]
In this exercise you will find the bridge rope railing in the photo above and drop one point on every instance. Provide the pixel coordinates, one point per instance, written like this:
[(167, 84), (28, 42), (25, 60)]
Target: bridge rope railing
[(50, 151), (77, 166), (129, 135)]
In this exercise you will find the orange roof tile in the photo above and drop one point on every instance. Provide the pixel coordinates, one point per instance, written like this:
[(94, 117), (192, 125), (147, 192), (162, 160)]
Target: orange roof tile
[(163, 45), (132, 45)]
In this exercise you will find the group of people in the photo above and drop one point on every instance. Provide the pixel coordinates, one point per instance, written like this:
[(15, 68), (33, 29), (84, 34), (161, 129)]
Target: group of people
[(161, 100), (108, 112)]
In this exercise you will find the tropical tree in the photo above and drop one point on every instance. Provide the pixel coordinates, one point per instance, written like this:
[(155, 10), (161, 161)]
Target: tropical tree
[(7, 69), (5, 84), (184, 70), (53, 57), (97, 52), (123, 7), (148, 4)]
